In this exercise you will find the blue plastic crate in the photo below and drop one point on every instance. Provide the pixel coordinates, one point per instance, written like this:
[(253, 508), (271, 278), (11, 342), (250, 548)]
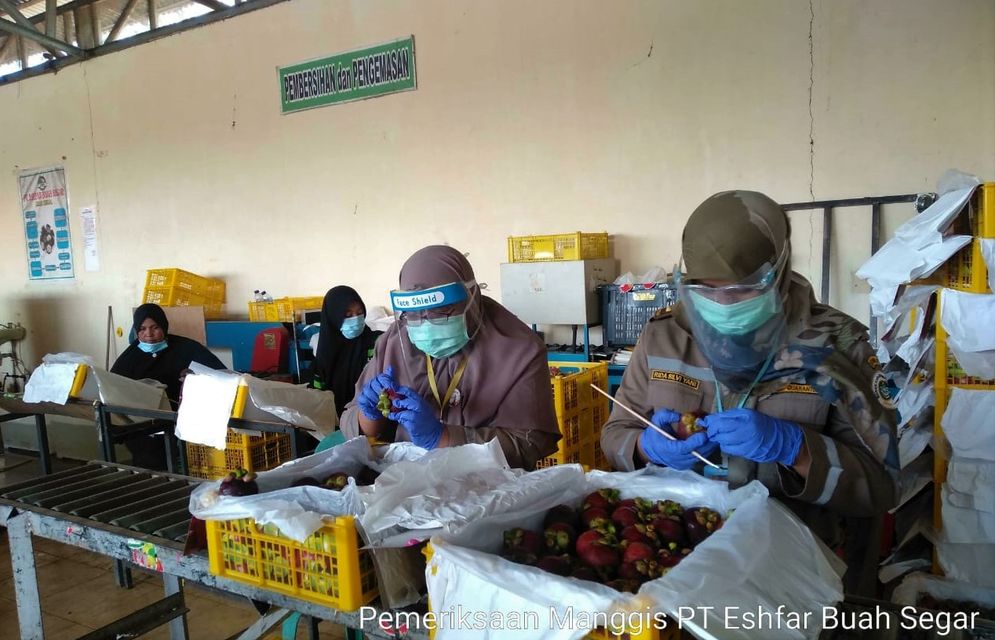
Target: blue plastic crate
[(625, 313)]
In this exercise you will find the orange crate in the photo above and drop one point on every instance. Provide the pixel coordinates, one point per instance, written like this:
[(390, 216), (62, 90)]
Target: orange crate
[(328, 568), (563, 246)]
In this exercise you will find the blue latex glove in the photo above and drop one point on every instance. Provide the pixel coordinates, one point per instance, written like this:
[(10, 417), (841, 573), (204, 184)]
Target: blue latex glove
[(755, 436), (370, 395), (673, 453), (418, 417)]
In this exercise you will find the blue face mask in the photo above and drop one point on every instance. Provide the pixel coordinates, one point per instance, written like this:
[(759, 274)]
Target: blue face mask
[(440, 340), (738, 318), (353, 327), (152, 347)]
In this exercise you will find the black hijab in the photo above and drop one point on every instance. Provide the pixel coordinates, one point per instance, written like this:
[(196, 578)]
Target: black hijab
[(339, 360), (153, 311)]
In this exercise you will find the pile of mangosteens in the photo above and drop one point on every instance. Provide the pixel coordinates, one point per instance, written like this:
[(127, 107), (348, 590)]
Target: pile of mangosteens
[(619, 543)]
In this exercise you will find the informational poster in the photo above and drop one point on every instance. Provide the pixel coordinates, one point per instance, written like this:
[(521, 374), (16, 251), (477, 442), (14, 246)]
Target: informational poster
[(45, 207), (91, 253), (353, 75)]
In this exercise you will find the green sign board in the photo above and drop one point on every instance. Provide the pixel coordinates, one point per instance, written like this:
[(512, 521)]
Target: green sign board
[(354, 75)]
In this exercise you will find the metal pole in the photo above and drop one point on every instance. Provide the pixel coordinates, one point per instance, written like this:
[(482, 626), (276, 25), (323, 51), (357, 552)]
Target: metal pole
[(178, 625), (41, 429), (875, 245), (827, 238), (22, 560)]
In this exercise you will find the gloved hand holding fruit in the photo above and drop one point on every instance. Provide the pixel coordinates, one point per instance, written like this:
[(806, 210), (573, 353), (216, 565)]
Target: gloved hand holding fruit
[(755, 436), (418, 417), (674, 453), (369, 400)]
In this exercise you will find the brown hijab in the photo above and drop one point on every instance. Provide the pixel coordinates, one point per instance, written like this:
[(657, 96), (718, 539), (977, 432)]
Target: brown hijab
[(506, 380)]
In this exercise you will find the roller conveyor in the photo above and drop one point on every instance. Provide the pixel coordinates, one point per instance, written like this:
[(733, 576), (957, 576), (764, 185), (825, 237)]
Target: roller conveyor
[(139, 500)]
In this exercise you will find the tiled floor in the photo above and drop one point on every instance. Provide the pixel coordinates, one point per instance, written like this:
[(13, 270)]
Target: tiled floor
[(79, 594)]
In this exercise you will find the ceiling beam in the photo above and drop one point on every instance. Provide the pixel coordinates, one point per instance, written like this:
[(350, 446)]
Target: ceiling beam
[(29, 30), (121, 19), (51, 14), (137, 39), (214, 5), (32, 34)]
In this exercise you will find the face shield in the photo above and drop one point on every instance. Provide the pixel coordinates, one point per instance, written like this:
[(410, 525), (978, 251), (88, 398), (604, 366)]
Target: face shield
[(435, 319), (736, 325)]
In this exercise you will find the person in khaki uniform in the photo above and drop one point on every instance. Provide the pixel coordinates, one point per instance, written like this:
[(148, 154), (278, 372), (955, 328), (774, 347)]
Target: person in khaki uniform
[(792, 387)]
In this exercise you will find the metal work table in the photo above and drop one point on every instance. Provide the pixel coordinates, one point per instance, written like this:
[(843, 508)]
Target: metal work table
[(17, 408), (80, 511)]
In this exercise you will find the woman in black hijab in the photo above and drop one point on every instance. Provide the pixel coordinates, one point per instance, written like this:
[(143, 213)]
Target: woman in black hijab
[(158, 355), (345, 345)]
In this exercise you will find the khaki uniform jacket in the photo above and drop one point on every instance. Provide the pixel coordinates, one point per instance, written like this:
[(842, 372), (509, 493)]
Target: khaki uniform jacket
[(848, 476)]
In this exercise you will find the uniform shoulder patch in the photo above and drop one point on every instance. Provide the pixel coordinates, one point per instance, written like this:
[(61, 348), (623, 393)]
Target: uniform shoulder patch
[(879, 384), (663, 313)]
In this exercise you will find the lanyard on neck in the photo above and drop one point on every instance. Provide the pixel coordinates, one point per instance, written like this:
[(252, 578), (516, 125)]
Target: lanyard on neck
[(749, 390), (444, 402)]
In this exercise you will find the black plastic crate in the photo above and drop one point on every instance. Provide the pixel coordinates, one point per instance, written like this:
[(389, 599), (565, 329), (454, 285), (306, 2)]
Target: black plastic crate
[(625, 313)]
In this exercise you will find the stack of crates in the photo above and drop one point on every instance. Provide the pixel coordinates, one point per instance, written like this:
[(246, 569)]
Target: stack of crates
[(283, 309), (242, 450), (174, 287), (581, 412), (563, 246), (965, 271)]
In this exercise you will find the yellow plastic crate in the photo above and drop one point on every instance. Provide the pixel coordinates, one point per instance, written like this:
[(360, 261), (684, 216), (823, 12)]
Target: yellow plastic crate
[(966, 270), (173, 297), (283, 309), (242, 451), (328, 568), (210, 288), (581, 412), (983, 210), (563, 246)]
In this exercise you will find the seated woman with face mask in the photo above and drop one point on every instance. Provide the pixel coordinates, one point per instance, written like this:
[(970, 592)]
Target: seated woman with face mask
[(158, 355), (465, 370), (345, 345)]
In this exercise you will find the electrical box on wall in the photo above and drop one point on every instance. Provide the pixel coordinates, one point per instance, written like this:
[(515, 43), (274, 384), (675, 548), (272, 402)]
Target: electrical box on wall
[(561, 292)]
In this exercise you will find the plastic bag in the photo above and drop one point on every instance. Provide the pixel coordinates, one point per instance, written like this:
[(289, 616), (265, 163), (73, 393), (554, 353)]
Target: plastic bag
[(296, 511), (444, 488), (917, 584), (762, 557)]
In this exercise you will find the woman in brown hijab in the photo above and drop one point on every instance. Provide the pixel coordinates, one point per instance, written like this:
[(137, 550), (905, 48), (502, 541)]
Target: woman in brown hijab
[(462, 367)]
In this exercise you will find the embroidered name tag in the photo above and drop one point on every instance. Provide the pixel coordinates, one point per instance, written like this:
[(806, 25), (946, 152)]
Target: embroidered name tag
[(796, 388), (674, 376)]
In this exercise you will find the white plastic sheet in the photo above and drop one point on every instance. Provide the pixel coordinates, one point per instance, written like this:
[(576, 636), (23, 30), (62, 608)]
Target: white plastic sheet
[(988, 254), (295, 404), (297, 511), (973, 478), (125, 392), (914, 435), (203, 415), (51, 382), (967, 319), (762, 557), (916, 584), (927, 228), (963, 523), (968, 424), (447, 489), (972, 563)]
